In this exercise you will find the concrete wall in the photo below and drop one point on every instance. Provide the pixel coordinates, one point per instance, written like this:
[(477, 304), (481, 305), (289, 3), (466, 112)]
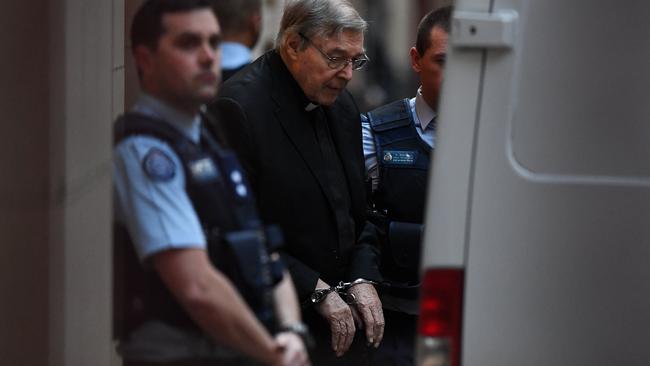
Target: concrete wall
[(61, 87), (131, 89), (24, 186)]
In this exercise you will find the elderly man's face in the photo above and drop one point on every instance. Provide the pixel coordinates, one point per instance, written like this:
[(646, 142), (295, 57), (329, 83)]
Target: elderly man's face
[(320, 83)]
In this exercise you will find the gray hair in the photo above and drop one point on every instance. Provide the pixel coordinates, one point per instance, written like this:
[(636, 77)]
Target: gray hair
[(318, 18)]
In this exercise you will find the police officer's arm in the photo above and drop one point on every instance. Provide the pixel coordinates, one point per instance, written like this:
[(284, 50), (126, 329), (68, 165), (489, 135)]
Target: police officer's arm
[(287, 311), (214, 304), (286, 304), (369, 156)]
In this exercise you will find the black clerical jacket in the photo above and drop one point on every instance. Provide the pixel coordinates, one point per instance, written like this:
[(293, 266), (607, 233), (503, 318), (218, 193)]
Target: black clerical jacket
[(261, 111)]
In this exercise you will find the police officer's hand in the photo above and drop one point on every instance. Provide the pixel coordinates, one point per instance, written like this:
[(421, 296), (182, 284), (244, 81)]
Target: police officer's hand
[(369, 306), (294, 351), (339, 315)]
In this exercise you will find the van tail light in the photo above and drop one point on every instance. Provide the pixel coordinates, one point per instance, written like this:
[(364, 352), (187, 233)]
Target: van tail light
[(441, 303)]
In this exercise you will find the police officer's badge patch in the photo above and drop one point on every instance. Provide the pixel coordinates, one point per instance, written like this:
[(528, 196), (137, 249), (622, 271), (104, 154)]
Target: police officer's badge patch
[(400, 157), (158, 165)]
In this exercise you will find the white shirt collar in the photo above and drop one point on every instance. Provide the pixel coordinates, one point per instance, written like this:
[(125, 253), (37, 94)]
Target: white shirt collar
[(423, 111), (311, 106)]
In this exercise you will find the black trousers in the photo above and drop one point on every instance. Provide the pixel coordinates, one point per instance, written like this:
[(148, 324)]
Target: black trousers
[(323, 355), (398, 346)]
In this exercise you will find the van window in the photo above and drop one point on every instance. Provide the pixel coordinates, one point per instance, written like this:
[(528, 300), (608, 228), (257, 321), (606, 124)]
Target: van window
[(593, 81)]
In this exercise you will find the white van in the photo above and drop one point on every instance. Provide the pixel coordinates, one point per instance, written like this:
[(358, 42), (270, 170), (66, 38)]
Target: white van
[(537, 243)]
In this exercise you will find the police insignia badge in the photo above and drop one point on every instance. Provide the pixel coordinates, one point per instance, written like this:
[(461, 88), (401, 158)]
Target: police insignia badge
[(400, 157), (158, 165)]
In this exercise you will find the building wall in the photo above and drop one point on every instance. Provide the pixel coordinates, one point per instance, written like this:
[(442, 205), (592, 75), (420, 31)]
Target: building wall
[(271, 15), (24, 192), (61, 77), (132, 89)]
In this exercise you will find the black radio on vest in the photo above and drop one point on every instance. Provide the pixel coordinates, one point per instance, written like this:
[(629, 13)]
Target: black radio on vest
[(237, 243)]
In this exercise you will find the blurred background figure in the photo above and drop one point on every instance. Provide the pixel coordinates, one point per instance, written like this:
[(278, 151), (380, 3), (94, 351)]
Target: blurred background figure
[(397, 140), (241, 23)]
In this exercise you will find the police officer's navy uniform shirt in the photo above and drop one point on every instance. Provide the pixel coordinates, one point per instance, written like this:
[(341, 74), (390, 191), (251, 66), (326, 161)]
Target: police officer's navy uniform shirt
[(149, 186), (423, 116)]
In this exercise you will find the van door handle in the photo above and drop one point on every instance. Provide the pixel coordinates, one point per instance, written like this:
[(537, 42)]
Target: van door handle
[(484, 30)]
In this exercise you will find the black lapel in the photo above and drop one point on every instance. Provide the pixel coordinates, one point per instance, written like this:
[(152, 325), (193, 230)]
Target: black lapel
[(345, 126), (292, 119)]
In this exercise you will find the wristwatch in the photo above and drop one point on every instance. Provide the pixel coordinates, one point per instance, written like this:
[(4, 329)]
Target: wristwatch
[(301, 330)]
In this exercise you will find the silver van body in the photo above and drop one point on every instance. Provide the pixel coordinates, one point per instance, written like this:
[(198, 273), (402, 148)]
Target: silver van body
[(540, 184)]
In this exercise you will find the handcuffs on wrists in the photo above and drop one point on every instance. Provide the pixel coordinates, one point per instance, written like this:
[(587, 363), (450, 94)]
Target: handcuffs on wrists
[(342, 289)]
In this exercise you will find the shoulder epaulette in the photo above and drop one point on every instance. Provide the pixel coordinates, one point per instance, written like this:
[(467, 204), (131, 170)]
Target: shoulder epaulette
[(133, 123), (392, 115)]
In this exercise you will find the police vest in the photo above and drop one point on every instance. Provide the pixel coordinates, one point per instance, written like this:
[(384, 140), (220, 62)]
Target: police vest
[(403, 163), (237, 243)]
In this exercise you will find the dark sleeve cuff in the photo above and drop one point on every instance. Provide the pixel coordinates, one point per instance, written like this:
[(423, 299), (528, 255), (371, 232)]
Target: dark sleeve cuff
[(304, 278), (366, 256)]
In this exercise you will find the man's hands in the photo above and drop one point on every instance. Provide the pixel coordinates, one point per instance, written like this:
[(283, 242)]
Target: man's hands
[(339, 315), (369, 307), (293, 352), (366, 312)]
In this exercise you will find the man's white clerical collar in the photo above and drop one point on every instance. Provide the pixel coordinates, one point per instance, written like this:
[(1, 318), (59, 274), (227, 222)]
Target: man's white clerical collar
[(311, 106)]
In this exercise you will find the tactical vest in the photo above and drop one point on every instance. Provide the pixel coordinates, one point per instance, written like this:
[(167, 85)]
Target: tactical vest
[(237, 243), (403, 163)]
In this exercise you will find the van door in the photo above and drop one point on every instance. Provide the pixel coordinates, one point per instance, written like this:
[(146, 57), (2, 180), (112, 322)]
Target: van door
[(540, 188)]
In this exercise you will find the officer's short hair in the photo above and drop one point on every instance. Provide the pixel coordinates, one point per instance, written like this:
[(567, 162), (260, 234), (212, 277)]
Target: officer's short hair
[(233, 15), (147, 26), (318, 18), (438, 18)]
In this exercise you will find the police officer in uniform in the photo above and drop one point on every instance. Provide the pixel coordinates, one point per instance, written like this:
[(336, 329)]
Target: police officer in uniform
[(208, 288), (241, 25), (398, 139)]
